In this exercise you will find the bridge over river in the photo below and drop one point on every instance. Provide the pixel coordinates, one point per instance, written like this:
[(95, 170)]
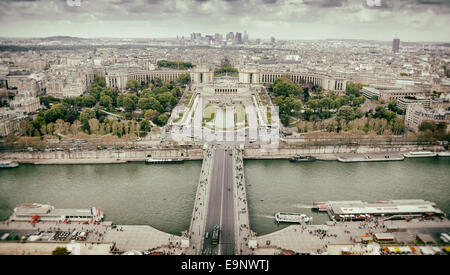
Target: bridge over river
[(221, 200)]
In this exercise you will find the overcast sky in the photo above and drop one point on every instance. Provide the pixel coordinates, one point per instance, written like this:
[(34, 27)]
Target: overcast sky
[(410, 20)]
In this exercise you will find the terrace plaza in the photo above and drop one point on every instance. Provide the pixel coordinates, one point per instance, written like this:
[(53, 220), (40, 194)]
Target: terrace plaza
[(225, 110)]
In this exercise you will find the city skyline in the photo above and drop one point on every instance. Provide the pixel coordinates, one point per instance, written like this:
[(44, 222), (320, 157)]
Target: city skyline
[(412, 21)]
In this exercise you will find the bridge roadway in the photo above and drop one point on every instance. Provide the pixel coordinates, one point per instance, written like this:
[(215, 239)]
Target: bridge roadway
[(221, 205)]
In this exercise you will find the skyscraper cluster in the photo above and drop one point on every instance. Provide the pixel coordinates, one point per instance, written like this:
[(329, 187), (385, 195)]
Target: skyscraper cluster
[(231, 37)]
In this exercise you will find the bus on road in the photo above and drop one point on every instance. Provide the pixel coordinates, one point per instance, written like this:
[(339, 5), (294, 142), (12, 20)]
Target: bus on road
[(215, 234)]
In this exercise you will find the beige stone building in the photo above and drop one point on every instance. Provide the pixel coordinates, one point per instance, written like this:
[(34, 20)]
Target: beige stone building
[(26, 104), (416, 114), (9, 122), (203, 74)]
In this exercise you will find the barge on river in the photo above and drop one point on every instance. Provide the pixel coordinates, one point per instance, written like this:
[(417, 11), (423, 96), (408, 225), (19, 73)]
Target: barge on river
[(302, 159), (158, 161), (393, 209), (420, 154), (291, 217), (8, 164), (36, 212)]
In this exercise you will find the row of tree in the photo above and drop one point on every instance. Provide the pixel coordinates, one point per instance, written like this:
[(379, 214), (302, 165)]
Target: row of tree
[(363, 126), (226, 69), (430, 130), (91, 126), (174, 64)]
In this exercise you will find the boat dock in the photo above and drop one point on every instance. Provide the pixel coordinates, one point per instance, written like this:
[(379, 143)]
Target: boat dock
[(420, 154), (374, 157), (393, 209), (42, 212), (370, 159)]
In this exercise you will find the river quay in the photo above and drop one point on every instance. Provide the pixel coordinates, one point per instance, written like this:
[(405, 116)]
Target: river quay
[(316, 239), (102, 238), (102, 156), (46, 248), (123, 156)]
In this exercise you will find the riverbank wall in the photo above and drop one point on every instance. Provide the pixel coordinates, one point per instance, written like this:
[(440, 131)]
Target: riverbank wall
[(101, 157), (123, 156), (333, 152)]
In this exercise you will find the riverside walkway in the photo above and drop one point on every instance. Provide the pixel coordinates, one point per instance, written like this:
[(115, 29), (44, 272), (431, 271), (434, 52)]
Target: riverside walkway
[(242, 232), (101, 238), (315, 239), (197, 227)]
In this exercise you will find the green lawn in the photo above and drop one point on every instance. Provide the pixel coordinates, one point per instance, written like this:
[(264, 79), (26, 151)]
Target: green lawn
[(209, 113), (188, 99)]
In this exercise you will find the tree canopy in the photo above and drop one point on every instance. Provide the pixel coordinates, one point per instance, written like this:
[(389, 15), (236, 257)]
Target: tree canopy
[(174, 64), (60, 251), (226, 69), (133, 85)]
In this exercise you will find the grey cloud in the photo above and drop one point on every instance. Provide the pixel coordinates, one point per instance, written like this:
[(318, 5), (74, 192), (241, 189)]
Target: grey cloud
[(325, 3), (437, 6), (270, 1), (221, 14)]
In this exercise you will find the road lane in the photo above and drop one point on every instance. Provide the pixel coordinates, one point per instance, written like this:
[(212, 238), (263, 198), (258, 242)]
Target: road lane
[(228, 243)]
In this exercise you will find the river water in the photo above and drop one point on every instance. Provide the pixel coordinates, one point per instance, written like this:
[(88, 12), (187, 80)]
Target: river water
[(163, 195), (134, 193), (292, 187)]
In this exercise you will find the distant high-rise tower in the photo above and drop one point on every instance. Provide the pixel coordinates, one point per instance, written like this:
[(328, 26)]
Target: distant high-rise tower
[(230, 36), (396, 45), (238, 38), (218, 37)]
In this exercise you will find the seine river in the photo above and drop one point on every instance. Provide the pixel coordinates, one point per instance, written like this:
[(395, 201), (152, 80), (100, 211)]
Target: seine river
[(163, 195)]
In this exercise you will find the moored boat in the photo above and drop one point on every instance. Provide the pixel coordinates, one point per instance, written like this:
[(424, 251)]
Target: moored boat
[(8, 164), (419, 154), (156, 161), (302, 159), (371, 158), (320, 206), (36, 212), (291, 217)]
